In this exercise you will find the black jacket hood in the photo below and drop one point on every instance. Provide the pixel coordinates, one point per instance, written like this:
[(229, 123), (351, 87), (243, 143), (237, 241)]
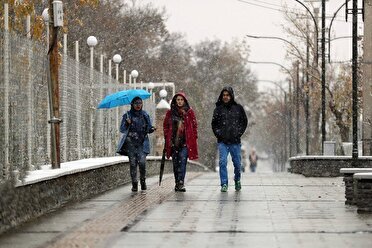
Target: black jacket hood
[(231, 92)]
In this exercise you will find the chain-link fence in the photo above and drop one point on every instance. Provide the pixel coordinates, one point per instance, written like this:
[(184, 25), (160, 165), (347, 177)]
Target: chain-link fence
[(24, 110)]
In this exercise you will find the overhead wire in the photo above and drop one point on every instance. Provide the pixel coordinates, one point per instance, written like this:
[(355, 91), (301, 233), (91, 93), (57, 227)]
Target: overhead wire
[(280, 8)]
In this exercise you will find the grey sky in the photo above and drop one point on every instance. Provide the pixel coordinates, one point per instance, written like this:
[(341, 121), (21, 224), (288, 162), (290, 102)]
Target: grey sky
[(228, 19)]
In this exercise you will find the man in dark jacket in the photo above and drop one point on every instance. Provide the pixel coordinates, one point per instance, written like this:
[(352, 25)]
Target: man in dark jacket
[(229, 123)]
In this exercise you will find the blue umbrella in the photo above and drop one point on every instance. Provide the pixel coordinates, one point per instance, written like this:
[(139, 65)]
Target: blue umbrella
[(121, 98)]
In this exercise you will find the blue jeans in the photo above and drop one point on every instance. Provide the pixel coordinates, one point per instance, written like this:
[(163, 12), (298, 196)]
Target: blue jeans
[(179, 159), (234, 150)]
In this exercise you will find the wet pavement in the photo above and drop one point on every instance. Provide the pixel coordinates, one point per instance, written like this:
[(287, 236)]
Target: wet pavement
[(271, 210)]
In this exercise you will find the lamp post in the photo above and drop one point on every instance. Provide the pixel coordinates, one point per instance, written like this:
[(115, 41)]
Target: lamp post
[(323, 77), (316, 30), (297, 87), (45, 16), (290, 98), (330, 27), (117, 59), (355, 79), (91, 42), (323, 63), (278, 38), (134, 75), (151, 86), (285, 112)]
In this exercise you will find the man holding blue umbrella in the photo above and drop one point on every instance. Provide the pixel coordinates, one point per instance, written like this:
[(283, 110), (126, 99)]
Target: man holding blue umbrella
[(135, 127)]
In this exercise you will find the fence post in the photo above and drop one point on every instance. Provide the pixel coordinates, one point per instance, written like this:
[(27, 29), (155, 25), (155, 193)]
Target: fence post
[(64, 101), (30, 111), (78, 107), (100, 125), (5, 168), (109, 113)]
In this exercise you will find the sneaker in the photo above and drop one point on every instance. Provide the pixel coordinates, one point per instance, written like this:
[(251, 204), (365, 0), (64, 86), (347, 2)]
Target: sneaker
[(224, 188), (238, 185), (180, 187)]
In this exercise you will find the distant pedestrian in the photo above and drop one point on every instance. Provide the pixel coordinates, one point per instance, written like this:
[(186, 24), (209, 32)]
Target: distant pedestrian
[(229, 123), (253, 160), (244, 158), (180, 133), (135, 127)]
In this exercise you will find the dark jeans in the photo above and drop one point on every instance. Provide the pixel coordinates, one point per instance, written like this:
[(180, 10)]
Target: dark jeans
[(179, 159), (253, 167), (136, 157)]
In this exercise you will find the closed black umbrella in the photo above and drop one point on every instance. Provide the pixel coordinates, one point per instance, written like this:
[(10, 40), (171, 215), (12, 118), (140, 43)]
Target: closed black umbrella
[(162, 164)]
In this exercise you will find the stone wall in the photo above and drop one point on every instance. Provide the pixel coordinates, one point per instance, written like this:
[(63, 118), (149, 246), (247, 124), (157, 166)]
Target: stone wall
[(364, 195), (323, 166), (349, 189), (22, 203)]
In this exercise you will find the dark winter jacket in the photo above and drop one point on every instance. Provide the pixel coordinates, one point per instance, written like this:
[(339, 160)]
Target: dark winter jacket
[(190, 125), (141, 125), (229, 120)]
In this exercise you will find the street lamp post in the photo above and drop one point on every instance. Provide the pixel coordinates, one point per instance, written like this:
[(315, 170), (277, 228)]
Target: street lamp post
[(297, 107), (330, 27), (316, 30), (290, 98), (297, 89), (134, 75), (278, 38), (45, 15), (151, 86), (117, 59), (355, 79), (285, 112), (323, 77), (91, 42)]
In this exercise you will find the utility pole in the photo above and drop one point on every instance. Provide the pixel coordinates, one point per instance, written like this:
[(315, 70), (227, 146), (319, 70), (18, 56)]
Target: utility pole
[(355, 79), (323, 76), (367, 82), (56, 17), (307, 89), (297, 64)]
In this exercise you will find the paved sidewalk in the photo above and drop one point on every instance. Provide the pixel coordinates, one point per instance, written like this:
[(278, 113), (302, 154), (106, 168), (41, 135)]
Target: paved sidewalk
[(272, 210)]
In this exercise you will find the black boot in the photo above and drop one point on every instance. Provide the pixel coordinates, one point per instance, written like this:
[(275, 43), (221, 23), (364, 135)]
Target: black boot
[(143, 184), (181, 187), (134, 186)]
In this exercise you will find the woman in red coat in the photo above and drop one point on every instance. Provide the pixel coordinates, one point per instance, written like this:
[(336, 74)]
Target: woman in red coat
[(180, 133)]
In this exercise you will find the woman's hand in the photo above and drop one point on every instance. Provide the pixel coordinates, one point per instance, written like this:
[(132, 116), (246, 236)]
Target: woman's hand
[(152, 129)]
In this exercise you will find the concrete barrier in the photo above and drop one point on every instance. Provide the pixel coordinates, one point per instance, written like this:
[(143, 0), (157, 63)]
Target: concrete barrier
[(363, 192), (350, 186), (326, 166)]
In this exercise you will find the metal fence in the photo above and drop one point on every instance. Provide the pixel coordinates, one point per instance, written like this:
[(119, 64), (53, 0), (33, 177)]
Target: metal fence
[(24, 112)]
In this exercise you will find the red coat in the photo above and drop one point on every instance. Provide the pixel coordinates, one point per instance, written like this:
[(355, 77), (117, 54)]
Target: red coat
[(191, 131)]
